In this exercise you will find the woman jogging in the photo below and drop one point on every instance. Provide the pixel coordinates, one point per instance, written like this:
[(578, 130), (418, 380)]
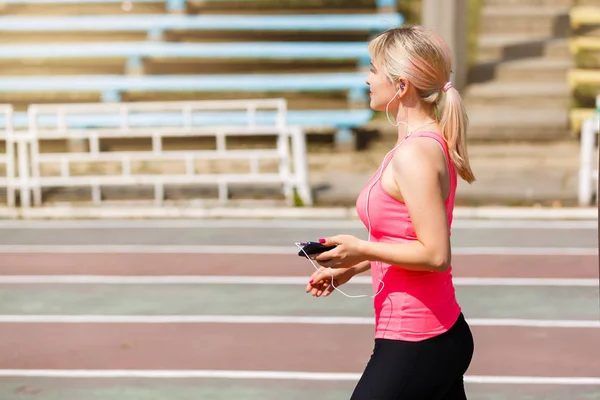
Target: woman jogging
[(423, 345)]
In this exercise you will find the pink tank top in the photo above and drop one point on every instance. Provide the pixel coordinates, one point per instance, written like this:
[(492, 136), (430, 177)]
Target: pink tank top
[(412, 305)]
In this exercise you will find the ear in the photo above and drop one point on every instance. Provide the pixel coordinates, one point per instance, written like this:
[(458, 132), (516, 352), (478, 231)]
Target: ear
[(401, 87)]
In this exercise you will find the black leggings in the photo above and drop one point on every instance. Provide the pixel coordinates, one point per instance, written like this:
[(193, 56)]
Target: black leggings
[(432, 369)]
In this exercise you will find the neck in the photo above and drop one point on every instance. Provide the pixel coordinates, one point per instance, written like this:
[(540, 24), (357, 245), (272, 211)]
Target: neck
[(413, 119)]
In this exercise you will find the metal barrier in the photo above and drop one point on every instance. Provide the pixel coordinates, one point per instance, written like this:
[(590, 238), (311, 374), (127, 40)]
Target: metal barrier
[(588, 167), (289, 153)]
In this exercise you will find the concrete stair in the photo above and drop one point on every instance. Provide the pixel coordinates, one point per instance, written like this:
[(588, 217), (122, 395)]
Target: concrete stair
[(514, 123), (507, 174), (518, 89), (544, 20), (525, 71), (506, 47), (518, 94), (530, 3)]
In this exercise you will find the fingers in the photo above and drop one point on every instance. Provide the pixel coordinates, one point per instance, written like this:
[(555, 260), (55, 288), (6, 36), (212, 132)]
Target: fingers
[(324, 263), (329, 254), (320, 283), (320, 275), (317, 288), (329, 241), (316, 279), (330, 289), (310, 282), (332, 264), (326, 255), (320, 290)]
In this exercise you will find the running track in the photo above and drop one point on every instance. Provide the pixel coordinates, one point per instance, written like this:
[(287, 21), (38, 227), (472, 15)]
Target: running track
[(216, 310)]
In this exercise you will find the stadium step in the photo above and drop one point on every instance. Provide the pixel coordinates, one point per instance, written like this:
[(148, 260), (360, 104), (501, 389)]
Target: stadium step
[(548, 21), (587, 2), (517, 123), (527, 70), (519, 173), (518, 94), (55, 9), (518, 87), (514, 47), (531, 3), (280, 6)]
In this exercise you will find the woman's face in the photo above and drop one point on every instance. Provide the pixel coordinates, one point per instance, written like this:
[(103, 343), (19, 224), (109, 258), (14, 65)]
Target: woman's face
[(382, 89)]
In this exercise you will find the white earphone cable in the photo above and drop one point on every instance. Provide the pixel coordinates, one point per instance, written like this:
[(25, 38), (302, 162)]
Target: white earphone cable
[(367, 204)]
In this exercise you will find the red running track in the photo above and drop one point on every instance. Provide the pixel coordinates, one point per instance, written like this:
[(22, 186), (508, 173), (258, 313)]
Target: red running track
[(569, 352)]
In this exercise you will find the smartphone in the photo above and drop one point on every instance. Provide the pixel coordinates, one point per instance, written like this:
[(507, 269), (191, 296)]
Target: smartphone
[(314, 248)]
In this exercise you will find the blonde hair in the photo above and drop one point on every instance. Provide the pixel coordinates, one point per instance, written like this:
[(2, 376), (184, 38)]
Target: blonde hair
[(425, 60)]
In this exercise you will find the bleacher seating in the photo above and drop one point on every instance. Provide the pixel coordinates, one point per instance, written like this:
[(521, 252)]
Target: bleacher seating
[(584, 15), (154, 25), (129, 50), (148, 56), (589, 155), (317, 61), (193, 5), (584, 77), (582, 43)]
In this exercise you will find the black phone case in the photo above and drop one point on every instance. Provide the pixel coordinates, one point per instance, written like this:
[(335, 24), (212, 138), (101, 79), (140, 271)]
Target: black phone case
[(313, 248)]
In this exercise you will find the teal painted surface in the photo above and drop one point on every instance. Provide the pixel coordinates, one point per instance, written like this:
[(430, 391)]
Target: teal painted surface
[(477, 302)]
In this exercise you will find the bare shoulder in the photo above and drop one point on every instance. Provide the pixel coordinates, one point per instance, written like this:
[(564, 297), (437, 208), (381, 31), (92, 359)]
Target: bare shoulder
[(419, 154)]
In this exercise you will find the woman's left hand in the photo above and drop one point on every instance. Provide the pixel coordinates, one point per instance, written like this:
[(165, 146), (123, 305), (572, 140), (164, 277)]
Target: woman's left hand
[(347, 253)]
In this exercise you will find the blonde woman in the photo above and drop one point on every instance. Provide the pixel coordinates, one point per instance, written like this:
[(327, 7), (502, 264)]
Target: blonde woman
[(423, 345)]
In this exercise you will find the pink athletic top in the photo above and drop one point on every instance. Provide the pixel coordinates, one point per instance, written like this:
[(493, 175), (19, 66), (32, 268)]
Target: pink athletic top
[(412, 305)]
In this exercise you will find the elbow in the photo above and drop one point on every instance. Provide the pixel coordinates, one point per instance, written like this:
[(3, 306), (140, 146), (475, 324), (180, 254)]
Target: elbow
[(440, 262)]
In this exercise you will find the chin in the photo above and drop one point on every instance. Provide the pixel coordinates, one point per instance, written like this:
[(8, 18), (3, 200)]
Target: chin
[(376, 107)]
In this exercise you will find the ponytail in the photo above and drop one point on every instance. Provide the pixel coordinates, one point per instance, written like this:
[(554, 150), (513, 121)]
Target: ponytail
[(454, 122), (424, 59)]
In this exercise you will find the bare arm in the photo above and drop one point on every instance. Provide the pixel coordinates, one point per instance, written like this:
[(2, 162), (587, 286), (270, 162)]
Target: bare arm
[(419, 169), (361, 267)]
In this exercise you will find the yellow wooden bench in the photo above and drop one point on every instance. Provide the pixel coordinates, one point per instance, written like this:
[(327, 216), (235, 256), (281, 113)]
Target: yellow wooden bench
[(584, 43), (580, 77), (584, 15), (578, 115)]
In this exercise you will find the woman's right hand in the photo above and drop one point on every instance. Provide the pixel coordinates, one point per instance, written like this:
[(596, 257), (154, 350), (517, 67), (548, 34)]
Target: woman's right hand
[(320, 281)]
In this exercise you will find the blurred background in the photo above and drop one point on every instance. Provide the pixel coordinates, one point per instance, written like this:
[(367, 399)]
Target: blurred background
[(110, 101), (160, 158)]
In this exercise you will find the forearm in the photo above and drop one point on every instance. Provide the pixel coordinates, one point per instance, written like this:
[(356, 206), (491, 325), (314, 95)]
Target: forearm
[(412, 255), (361, 267)]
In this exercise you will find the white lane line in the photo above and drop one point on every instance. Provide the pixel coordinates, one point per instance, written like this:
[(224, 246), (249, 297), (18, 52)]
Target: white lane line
[(526, 251), (581, 282), (291, 250), (275, 375), (289, 224), (533, 380), (265, 319), (534, 323), (170, 374), (149, 249), (266, 280)]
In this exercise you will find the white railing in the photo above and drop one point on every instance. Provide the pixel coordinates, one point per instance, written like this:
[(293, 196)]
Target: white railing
[(8, 180), (588, 167), (177, 120)]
